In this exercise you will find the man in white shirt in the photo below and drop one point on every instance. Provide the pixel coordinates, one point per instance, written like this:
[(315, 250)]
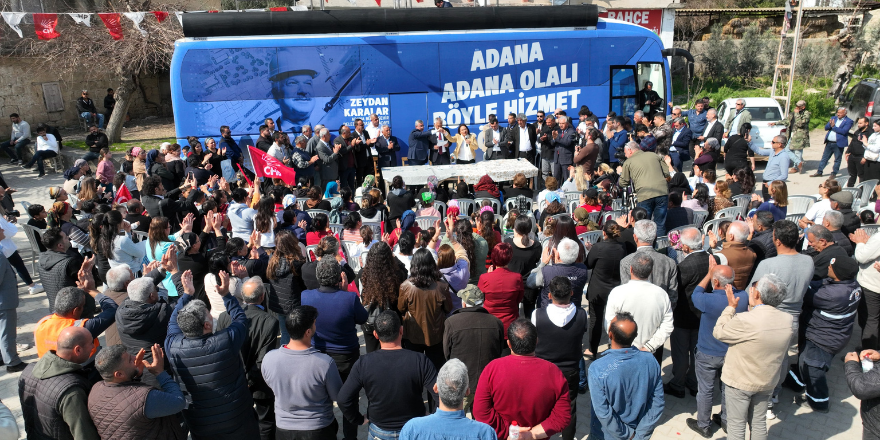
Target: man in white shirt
[(374, 128), (47, 148), (20, 138), (524, 138), (493, 148), (241, 217), (648, 303), (440, 144)]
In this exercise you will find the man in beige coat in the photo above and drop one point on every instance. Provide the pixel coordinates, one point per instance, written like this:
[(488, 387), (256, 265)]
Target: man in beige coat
[(758, 343)]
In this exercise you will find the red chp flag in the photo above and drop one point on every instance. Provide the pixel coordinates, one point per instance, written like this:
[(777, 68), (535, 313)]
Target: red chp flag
[(122, 195), (269, 167), (111, 21), (160, 15), (44, 25)]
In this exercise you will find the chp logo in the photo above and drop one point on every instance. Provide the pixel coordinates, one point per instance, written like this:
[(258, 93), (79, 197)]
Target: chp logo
[(270, 169)]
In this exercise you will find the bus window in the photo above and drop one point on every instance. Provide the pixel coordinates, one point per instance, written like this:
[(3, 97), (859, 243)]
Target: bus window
[(655, 73), (623, 91)]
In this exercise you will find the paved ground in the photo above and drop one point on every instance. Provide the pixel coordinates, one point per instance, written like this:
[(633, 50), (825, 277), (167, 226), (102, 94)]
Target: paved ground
[(842, 422)]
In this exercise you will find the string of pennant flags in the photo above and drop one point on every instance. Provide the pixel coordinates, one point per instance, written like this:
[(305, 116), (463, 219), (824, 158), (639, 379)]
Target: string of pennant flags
[(46, 24)]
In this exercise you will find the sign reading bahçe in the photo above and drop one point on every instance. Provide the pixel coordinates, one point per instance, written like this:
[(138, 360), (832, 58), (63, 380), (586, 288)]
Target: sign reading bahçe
[(646, 18)]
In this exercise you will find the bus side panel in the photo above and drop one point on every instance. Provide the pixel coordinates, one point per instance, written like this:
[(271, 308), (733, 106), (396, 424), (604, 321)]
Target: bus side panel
[(464, 81)]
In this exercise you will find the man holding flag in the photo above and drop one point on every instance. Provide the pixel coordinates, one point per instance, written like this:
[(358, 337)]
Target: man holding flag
[(270, 167)]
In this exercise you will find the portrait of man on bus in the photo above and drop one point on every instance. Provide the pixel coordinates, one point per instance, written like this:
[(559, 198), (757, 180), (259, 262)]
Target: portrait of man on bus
[(293, 74)]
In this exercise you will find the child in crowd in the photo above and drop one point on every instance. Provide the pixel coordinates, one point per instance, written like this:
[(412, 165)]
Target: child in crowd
[(106, 170)]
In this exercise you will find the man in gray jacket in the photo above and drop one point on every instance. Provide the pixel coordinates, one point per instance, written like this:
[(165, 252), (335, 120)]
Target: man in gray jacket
[(8, 316), (330, 157)]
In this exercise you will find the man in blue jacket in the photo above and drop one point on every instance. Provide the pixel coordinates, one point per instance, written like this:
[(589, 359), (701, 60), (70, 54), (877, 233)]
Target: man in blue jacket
[(828, 318), (208, 365), (681, 140), (625, 386), (419, 144), (709, 358), (835, 141)]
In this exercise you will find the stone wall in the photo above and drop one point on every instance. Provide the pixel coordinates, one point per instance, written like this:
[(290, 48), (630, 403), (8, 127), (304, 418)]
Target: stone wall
[(22, 92)]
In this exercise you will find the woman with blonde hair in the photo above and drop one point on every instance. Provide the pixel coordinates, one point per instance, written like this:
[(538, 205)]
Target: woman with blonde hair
[(722, 197), (88, 190)]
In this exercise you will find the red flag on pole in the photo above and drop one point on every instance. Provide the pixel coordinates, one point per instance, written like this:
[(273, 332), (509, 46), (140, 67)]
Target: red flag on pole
[(44, 25), (122, 195), (270, 167), (114, 26), (160, 15)]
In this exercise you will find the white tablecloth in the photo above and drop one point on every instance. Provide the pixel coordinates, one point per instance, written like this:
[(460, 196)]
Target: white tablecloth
[(498, 170)]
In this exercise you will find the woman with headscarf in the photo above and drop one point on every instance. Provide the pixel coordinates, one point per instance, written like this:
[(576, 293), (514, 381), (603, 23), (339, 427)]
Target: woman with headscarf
[(486, 188), (140, 166), (156, 167), (369, 183), (331, 191), (554, 206)]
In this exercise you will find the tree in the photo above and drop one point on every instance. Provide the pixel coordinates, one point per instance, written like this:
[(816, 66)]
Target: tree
[(91, 50)]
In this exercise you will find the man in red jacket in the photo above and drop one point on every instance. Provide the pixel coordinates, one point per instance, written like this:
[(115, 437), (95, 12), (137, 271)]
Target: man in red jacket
[(522, 388)]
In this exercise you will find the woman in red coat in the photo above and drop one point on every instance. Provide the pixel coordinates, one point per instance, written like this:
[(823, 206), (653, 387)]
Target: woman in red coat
[(503, 289)]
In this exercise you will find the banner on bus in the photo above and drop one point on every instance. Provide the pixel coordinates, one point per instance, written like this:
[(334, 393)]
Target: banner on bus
[(647, 18)]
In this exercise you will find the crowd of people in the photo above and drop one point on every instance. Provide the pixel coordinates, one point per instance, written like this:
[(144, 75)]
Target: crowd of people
[(236, 308)]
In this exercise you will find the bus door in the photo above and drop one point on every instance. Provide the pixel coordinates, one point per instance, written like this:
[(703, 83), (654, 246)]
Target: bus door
[(405, 109), (623, 99)]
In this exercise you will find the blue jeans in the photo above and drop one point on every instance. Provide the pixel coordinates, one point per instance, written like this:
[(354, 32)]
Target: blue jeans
[(377, 433), (657, 207), (8, 320), (38, 159), (91, 156), (831, 148), (285, 337), (88, 117), (582, 380), (6, 147)]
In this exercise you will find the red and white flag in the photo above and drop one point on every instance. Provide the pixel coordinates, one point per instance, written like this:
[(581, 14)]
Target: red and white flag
[(122, 195), (44, 25), (160, 15), (114, 26), (270, 167)]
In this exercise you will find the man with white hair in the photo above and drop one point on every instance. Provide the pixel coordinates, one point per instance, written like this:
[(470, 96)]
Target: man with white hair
[(665, 271), (710, 351), (777, 162), (736, 253), (262, 336), (737, 117), (833, 221), (648, 175), (565, 264), (208, 364), (450, 421), (683, 341), (142, 317), (648, 304), (758, 342), (798, 133), (836, 140), (330, 158), (563, 141)]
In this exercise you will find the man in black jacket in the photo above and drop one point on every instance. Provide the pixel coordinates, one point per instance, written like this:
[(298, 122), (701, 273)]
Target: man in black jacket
[(547, 147), (95, 140), (419, 144), (262, 337), (142, 318), (440, 142), (564, 140), (227, 144), (524, 139), (265, 141), (363, 155), (162, 203), (473, 336), (387, 146), (686, 318), (856, 150), (561, 327), (842, 202), (59, 267), (135, 216), (85, 107), (828, 320), (762, 239), (109, 105)]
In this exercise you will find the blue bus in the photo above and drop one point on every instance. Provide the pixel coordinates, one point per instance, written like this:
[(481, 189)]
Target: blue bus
[(223, 74)]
